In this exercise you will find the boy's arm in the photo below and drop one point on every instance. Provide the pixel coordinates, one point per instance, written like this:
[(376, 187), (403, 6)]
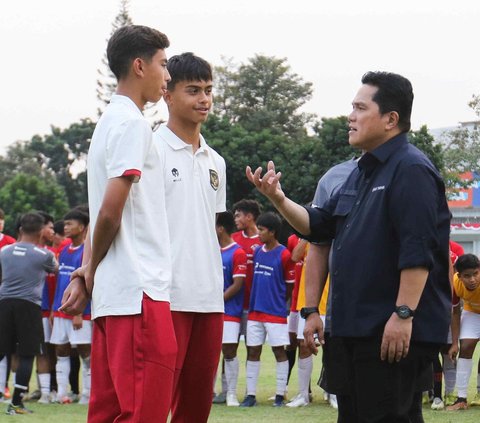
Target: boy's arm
[(455, 324)]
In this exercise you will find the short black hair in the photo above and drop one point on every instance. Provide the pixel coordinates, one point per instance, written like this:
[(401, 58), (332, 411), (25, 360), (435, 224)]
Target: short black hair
[(76, 214), (188, 67), (248, 206), (132, 41), (394, 94), (31, 223), (272, 221), (46, 217), (226, 221), (59, 227), (466, 262)]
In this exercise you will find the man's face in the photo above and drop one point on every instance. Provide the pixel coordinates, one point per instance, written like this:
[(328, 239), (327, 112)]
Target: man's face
[(73, 228), (190, 101), (367, 127), (470, 278), (241, 220), (265, 235), (156, 77), (47, 232)]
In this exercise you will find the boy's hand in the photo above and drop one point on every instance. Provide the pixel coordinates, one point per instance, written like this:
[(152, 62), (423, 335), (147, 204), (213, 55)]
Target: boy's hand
[(75, 297), (77, 322)]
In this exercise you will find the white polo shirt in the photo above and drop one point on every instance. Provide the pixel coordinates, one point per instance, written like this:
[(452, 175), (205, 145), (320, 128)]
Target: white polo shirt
[(139, 258), (195, 190)]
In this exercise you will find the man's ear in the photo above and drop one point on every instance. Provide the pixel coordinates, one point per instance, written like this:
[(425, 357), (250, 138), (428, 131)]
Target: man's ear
[(393, 119)]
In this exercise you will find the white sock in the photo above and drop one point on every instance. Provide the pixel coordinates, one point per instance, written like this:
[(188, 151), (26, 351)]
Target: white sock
[(44, 382), (231, 374), (253, 370), (86, 377), (63, 371), (282, 376), (464, 370), (14, 378), (3, 374), (450, 374), (305, 367)]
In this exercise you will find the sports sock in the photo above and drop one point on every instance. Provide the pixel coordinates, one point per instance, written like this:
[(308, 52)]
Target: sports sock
[(63, 370), (305, 367), (53, 380), (253, 370), (3, 374), (282, 375), (437, 377), (450, 374), (44, 382), (291, 355), (74, 371), (231, 374), (464, 369), (86, 376), (224, 383), (24, 371)]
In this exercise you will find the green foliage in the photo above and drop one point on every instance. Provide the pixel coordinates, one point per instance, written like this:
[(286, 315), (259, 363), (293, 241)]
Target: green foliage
[(25, 193), (426, 143)]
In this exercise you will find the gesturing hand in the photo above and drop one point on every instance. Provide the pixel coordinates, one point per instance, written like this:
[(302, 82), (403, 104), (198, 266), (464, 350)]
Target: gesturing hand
[(269, 184)]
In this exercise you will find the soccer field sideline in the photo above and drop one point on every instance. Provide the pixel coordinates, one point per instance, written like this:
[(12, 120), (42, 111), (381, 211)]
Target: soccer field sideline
[(317, 412)]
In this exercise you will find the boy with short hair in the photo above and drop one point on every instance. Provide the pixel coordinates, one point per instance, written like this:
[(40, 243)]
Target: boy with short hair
[(466, 284), (23, 267), (195, 186), (4, 238), (71, 330), (234, 261), (273, 280)]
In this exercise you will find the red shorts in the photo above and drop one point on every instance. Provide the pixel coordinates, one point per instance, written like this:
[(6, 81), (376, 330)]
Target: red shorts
[(199, 338), (133, 362)]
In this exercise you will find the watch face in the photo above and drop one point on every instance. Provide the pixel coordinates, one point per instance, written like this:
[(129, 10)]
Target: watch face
[(404, 312)]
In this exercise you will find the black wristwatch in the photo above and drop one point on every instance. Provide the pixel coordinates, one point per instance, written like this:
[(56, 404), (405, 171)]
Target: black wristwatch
[(306, 311), (404, 312)]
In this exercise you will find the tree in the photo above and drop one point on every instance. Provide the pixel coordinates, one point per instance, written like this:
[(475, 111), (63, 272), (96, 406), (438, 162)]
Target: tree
[(263, 93), (425, 142), (107, 83), (25, 193)]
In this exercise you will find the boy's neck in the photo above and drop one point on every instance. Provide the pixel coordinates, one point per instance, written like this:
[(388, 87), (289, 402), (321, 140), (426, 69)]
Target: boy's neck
[(31, 239), (270, 245), (251, 230), (77, 240), (187, 131), (225, 241), (130, 91)]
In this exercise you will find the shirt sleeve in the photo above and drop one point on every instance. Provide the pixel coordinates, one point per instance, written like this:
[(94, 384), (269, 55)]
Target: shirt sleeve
[(413, 207), (288, 267), (239, 263), (222, 187), (50, 263), (127, 149)]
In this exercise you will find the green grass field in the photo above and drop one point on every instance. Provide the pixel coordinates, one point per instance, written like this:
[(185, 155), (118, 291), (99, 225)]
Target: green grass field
[(316, 412)]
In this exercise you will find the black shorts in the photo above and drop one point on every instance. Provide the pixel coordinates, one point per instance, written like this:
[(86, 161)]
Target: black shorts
[(21, 327)]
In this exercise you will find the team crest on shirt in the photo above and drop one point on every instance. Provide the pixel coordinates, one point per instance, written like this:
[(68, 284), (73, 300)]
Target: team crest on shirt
[(176, 175), (214, 181)]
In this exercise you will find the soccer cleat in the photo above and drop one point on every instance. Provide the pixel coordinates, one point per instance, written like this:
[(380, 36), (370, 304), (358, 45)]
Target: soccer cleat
[(220, 398), (232, 400), (17, 409), (279, 401), (7, 394), (84, 399), (63, 400), (34, 396), (460, 404), (298, 401), (437, 404), (44, 399), (476, 400), (73, 396), (249, 401), (332, 400), (450, 398)]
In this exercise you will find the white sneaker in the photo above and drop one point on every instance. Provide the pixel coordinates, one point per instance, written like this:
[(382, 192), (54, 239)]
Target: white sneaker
[(44, 399), (437, 404), (298, 401), (232, 400), (333, 401), (326, 396), (84, 399)]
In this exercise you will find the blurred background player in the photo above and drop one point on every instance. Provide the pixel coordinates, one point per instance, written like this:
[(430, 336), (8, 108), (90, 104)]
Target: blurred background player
[(234, 261), (272, 284)]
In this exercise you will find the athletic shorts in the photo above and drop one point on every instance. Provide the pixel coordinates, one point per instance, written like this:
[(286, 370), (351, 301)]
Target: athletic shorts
[(64, 333), (20, 323), (258, 331), (293, 318), (243, 323), (47, 329), (231, 332), (470, 325)]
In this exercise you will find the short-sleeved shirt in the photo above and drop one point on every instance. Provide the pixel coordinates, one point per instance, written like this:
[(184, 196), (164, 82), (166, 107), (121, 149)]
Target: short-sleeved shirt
[(471, 299), (6, 240), (249, 245), (24, 267), (70, 259), (195, 191), (391, 214), (234, 261), (292, 242), (273, 269), (138, 260)]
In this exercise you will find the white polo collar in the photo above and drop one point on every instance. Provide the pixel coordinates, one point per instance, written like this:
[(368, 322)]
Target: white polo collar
[(127, 101), (178, 144)]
